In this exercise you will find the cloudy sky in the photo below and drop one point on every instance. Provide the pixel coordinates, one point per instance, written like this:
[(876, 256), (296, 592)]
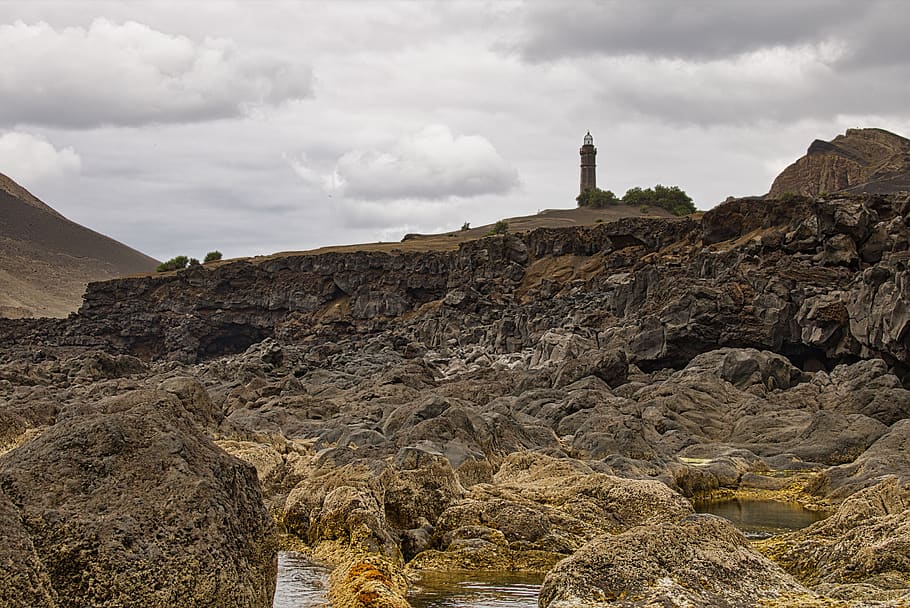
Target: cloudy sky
[(261, 126)]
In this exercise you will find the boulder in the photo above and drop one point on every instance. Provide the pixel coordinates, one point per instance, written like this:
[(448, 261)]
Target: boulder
[(128, 502), (419, 488), (698, 561)]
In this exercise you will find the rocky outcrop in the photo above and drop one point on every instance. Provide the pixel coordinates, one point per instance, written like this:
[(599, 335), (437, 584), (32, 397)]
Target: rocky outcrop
[(818, 281), (862, 160), (127, 501)]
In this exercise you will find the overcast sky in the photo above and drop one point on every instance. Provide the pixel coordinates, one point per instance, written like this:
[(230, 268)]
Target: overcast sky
[(255, 127)]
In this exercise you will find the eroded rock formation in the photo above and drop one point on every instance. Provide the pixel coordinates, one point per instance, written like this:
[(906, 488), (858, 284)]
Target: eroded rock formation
[(862, 160)]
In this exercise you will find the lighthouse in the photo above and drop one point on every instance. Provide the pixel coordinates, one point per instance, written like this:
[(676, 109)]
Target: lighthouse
[(588, 165)]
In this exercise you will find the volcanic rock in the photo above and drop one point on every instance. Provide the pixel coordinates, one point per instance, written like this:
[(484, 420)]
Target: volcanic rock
[(127, 501), (701, 560), (862, 160)]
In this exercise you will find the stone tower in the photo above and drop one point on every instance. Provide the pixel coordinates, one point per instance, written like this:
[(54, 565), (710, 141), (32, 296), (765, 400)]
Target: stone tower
[(588, 167)]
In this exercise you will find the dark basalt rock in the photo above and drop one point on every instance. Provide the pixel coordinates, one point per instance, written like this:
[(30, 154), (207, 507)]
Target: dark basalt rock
[(820, 280)]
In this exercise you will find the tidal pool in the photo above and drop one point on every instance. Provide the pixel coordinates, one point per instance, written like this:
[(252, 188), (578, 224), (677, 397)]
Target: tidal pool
[(301, 582), (761, 518), (475, 590)]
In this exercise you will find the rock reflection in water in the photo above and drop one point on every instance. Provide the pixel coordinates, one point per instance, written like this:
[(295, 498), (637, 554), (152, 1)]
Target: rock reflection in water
[(761, 518), (301, 582), (475, 590)]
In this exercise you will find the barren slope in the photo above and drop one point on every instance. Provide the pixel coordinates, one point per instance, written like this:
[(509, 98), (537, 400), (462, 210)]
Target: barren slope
[(47, 260), (548, 218)]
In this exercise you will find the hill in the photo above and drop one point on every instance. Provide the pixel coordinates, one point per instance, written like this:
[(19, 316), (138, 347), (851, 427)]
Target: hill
[(861, 160), (46, 260), (444, 241)]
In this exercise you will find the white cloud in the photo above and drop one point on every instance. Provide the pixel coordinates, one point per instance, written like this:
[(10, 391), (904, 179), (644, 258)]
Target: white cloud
[(30, 159), (131, 74), (429, 164)]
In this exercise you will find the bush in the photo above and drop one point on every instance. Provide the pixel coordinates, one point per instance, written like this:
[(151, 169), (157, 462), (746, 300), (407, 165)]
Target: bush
[(671, 198), (193, 262), (466, 226), (500, 227), (597, 198), (212, 256), (176, 263)]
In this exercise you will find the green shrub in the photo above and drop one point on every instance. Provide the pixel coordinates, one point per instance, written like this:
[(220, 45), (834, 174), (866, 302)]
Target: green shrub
[(500, 227), (193, 262), (466, 226), (212, 256), (671, 198), (176, 263), (597, 198)]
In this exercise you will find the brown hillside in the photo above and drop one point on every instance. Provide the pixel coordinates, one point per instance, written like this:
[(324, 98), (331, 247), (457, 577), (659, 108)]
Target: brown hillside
[(548, 218), (47, 260), (862, 160)]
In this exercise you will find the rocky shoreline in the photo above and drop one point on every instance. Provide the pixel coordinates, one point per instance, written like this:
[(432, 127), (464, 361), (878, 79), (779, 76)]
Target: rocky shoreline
[(547, 401)]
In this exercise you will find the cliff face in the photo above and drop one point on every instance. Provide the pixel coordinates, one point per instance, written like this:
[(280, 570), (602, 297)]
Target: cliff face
[(862, 160), (819, 281)]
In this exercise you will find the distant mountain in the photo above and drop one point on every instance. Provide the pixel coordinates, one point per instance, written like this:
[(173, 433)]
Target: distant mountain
[(862, 160), (46, 260)]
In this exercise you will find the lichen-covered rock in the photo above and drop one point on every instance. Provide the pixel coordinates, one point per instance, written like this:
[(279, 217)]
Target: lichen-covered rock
[(367, 582), (420, 487), (698, 561), (867, 537), (23, 580), (128, 502)]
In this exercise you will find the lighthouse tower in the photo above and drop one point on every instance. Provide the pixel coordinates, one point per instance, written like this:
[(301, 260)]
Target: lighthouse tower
[(588, 167)]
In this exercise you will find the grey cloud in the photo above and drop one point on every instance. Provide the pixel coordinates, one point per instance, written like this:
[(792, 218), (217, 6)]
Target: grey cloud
[(131, 74), (700, 30), (726, 93)]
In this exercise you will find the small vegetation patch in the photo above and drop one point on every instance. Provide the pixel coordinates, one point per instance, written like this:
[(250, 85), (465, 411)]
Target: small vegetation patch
[(181, 261), (500, 227), (175, 263)]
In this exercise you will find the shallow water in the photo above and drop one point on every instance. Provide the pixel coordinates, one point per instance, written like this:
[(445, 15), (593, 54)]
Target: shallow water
[(475, 590), (761, 518), (301, 582)]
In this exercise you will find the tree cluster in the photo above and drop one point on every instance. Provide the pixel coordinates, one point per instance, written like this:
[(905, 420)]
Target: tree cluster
[(671, 198), (181, 261)]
